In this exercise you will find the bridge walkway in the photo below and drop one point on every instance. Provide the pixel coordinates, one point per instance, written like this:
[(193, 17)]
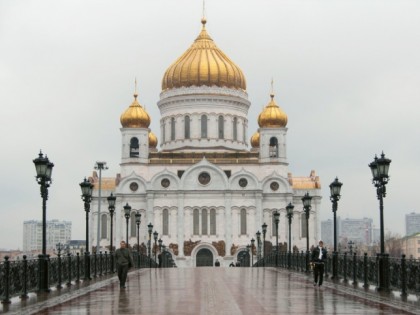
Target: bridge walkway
[(210, 290)]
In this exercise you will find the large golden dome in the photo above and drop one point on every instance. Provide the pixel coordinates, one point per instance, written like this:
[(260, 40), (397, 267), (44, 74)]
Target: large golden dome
[(203, 64), (135, 116), (272, 116)]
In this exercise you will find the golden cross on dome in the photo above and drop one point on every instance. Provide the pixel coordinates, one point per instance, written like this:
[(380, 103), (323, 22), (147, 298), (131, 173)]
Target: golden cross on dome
[(272, 88), (135, 87)]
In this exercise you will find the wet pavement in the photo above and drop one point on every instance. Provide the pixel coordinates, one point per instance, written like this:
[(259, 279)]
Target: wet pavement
[(210, 290)]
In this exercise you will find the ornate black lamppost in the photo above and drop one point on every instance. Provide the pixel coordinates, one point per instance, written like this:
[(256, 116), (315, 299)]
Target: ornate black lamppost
[(276, 221), (87, 188), (306, 200), (43, 168), (258, 234), (150, 230), (160, 244), (111, 207), (380, 168), (138, 221), (155, 237), (289, 213), (127, 214), (335, 188), (264, 230), (252, 251)]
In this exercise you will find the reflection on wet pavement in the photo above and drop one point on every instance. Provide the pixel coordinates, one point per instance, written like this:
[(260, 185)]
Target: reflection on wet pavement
[(210, 290)]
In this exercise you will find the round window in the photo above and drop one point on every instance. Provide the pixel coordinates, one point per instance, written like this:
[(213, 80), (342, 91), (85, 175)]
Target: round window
[(243, 182), (274, 186), (204, 178), (134, 186), (165, 183)]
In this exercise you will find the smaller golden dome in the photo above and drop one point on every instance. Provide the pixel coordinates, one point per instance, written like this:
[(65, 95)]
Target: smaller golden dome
[(135, 116), (272, 116), (255, 140), (152, 140)]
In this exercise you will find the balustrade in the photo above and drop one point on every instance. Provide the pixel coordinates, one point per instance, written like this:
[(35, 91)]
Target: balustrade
[(404, 274)]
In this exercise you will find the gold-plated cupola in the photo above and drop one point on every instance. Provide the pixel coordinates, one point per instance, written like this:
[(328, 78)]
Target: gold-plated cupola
[(152, 140), (203, 64), (272, 116), (135, 116), (255, 140)]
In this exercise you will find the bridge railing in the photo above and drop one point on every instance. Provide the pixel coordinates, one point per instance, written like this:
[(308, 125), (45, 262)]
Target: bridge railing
[(403, 274), (20, 277)]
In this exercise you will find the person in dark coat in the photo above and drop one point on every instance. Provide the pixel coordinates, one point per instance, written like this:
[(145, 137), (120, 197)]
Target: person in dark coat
[(217, 263), (318, 259), (124, 261)]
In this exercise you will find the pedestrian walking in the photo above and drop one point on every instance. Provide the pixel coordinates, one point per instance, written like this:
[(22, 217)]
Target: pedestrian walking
[(124, 261), (318, 258)]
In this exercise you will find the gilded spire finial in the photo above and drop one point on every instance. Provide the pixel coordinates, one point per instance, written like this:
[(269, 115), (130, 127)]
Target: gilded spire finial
[(135, 88), (203, 19), (272, 89)]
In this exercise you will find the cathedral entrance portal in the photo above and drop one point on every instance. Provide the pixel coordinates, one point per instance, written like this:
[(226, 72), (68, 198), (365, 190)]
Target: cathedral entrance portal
[(204, 258), (244, 258)]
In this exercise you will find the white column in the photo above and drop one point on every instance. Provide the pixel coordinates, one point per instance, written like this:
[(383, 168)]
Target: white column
[(259, 214), (228, 221), (181, 225)]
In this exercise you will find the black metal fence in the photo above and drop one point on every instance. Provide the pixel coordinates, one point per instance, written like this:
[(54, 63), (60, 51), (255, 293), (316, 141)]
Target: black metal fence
[(403, 274), (22, 276)]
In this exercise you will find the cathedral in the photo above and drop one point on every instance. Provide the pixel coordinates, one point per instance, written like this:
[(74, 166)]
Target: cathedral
[(207, 188)]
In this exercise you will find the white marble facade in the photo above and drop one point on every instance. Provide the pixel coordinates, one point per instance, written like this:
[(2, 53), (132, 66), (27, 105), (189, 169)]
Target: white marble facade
[(207, 172)]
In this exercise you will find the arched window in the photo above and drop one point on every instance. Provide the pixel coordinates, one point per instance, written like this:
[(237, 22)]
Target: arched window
[(203, 126), (187, 127), (243, 222), (213, 222), (196, 222), (221, 124), (274, 147), (163, 131), (304, 232), (204, 222), (104, 226), (235, 129), (134, 147), (172, 128), (133, 225), (165, 222)]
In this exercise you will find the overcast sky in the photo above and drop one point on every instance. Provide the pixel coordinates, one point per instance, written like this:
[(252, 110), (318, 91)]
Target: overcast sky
[(347, 73)]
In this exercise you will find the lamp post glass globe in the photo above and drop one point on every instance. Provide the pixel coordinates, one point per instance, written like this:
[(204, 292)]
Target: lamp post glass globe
[(264, 228), (138, 218), (43, 167), (127, 211), (335, 189), (277, 217), (111, 201)]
